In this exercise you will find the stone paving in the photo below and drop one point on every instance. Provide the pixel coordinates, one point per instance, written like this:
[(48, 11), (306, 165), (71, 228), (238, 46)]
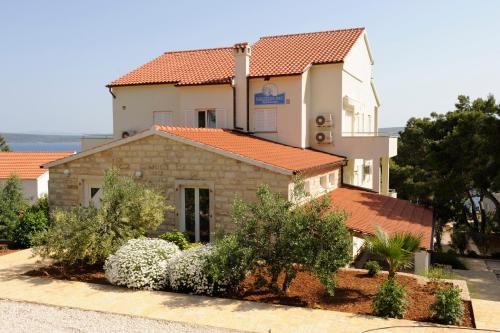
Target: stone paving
[(196, 310)]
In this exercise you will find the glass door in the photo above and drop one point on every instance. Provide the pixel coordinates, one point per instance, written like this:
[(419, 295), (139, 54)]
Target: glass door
[(195, 220)]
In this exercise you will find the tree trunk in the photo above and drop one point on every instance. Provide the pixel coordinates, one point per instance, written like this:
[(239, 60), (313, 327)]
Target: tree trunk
[(474, 215)]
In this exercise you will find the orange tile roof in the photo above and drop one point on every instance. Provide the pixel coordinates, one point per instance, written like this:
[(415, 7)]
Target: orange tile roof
[(26, 165), (273, 55), (367, 210), (291, 54), (254, 148)]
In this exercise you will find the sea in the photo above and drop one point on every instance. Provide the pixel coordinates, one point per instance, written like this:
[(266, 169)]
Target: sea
[(42, 142)]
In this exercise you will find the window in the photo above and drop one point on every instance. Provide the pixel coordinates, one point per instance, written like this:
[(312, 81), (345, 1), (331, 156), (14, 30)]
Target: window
[(163, 118), (195, 221), (207, 118), (265, 120), (324, 181), (331, 179)]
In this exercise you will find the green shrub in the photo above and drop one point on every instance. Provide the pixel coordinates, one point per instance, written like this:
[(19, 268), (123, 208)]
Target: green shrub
[(373, 267), (390, 301), (448, 307), (12, 206), (41, 205), (176, 237), (448, 258), (287, 237), (472, 254), (87, 235), (437, 273), (32, 223)]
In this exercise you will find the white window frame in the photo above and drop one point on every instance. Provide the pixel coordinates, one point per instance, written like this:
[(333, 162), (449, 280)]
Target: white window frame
[(206, 111)]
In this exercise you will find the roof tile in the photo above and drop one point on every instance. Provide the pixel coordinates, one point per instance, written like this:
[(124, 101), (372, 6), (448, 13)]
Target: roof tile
[(27, 165), (367, 210)]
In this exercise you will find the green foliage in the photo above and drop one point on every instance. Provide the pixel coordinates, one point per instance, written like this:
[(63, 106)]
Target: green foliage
[(448, 308), (437, 273), (42, 205), (87, 235), (32, 223), (446, 159), (176, 237), (12, 206), (285, 237), (397, 249), (3, 144), (373, 267), (449, 258), (390, 301)]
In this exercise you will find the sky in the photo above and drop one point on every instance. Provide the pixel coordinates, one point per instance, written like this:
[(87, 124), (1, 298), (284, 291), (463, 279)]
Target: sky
[(57, 56)]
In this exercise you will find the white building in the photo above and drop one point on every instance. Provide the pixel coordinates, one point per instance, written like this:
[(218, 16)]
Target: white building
[(27, 167), (311, 90)]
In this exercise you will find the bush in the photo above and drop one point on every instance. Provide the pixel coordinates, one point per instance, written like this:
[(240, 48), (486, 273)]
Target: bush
[(448, 308), (141, 263), (390, 301), (188, 272), (12, 206), (87, 235), (287, 237), (437, 273), (472, 254), (176, 237), (448, 258), (373, 267), (32, 223)]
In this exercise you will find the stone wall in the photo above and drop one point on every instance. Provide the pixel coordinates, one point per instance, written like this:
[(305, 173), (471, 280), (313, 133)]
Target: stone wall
[(164, 163)]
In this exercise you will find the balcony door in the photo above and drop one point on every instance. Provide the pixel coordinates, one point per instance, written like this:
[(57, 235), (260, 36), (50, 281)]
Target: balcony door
[(195, 213)]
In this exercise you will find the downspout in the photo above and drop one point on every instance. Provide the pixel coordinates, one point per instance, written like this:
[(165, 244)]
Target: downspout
[(234, 103), (248, 104), (111, 92)]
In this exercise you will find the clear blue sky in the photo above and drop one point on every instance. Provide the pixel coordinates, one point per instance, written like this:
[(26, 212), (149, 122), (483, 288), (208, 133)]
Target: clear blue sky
[(57, 56)]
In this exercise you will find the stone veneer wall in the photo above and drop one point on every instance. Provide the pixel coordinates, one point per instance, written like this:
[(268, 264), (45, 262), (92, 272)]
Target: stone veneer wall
[(163, 162)]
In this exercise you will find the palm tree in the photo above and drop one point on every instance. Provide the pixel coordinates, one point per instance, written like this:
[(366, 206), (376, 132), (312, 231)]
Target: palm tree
[(397, 249), (3, 144)]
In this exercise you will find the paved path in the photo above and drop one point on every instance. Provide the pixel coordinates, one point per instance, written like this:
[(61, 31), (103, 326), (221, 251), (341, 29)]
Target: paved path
[(484, 288), (36, 318), (196, 310)]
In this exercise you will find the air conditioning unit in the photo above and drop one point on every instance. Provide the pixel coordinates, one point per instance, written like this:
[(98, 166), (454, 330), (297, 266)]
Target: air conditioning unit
[(324, 120), (127, 133), (324, 137)]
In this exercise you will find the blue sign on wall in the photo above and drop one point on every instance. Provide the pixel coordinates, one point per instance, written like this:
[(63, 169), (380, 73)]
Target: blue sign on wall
[(269, 95)]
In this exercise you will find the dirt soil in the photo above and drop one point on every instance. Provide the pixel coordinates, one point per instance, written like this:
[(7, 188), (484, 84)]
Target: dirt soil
[(354, 293), (6, 248)]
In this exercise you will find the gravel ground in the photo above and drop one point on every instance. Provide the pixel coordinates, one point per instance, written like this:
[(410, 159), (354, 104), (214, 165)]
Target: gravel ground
[(29, 317)]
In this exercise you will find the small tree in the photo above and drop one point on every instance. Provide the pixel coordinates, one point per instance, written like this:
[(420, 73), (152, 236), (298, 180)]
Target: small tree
[(397, 249), (3, 144), (284, 237), (88, 235), (12, 205)]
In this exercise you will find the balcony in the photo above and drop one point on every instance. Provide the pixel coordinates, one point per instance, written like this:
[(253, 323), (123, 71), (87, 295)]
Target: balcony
[(366, 145)]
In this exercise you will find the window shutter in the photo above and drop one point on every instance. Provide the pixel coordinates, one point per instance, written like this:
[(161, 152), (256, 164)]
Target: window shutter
[(265, 120), (220, 118), (190, 119), (163, 118)]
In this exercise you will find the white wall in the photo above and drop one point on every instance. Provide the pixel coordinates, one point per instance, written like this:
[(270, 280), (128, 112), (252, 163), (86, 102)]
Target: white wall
[(43, 185), (290, 129), (141, 101), (33, 188)]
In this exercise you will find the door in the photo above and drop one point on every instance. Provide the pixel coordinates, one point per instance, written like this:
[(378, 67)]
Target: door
[(92, 194), (195, 214)]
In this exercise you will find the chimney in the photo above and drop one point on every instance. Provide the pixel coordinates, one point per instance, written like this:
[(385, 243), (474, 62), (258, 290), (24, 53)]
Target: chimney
[(241, 52)]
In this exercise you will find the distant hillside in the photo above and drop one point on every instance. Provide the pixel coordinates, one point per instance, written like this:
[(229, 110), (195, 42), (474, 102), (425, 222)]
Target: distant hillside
[(391, 130), (39, 138)]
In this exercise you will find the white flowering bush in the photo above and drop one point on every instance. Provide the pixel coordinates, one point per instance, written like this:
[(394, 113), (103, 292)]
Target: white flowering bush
[(141, 263), (188, 272)]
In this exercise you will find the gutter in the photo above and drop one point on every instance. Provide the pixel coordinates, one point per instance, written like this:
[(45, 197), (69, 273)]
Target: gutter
[(248, 104), (111, 92)]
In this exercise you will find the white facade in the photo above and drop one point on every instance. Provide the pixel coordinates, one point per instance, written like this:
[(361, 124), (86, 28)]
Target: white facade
[(33, 188), (343, 91)]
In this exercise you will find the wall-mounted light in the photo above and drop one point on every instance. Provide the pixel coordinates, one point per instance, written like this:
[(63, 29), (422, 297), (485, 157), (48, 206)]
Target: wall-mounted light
[(124, 107), (138, 174), (67, 172)]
